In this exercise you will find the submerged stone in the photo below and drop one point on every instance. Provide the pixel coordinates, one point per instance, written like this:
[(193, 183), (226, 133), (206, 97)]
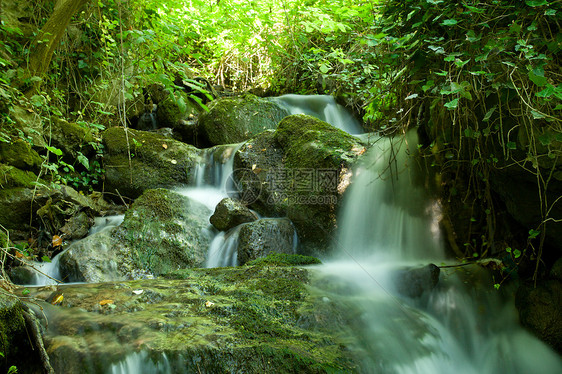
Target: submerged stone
[(244, 319)]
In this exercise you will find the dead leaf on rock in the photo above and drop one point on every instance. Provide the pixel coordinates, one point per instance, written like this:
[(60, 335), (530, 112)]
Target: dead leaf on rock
[(209, 304), (165, 146), (57, 241), (106, 302)]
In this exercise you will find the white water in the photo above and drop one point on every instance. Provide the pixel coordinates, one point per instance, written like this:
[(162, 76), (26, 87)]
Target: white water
[(387, 222), (323, 107)]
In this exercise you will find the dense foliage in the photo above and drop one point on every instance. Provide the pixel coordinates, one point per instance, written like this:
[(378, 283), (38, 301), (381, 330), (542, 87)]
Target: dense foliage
[(481, 79)]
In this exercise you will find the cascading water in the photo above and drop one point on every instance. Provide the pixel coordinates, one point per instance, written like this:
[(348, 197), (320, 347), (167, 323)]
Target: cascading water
[(387, 222)]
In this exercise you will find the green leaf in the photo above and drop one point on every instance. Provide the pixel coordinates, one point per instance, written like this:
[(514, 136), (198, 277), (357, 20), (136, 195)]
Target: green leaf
[(449, 22), (533, 233), (489, 114), (545, 138), (452, 104), (535, 3), (547, 92), (412, 96), (54, 150), (537, 77), (550, 12), (537, 115), (324, 69), (511, 145), (516, 253), (45, 259), (25, 292), (83, 160)]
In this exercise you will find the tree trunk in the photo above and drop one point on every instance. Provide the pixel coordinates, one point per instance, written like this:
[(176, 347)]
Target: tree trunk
[(48, 39)]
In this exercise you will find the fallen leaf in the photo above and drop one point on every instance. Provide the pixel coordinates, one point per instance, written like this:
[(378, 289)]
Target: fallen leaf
[(165, 146), (57, 300), (57, 241), (106, 302), (209, 304), (174, 162), (19, 254), (138, 292)]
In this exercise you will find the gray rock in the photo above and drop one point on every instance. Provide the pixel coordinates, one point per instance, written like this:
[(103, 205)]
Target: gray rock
[(230, 213), (265, 236), (414, 281)]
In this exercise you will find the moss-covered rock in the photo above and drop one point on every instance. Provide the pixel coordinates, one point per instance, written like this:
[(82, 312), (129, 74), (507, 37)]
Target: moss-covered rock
[(230, 213), (235, 119), (155, 161), (172, 109), (15, 336), (30, 123), (264, 236), (283, 259), (20, 154), (235, 320), (300, 171), (71, 138), (162, 231), (11, 176)]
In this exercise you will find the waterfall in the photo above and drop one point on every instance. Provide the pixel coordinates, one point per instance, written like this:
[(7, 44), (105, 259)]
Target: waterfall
[(323, 107), (387, 222)]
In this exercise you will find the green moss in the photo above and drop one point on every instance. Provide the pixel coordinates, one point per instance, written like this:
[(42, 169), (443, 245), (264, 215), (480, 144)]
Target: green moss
[(282, 259), (235, 119), (309, 141), (11, 176), (20, 154)]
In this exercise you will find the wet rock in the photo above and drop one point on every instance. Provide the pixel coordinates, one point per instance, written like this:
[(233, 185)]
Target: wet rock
[(155, 161), (301, 171), (11, 176), (20, 154), (415, 281), (162, 231), (241, 319), (264, 236), (76, 227), (235, 119), (230, 213), (540, 310)]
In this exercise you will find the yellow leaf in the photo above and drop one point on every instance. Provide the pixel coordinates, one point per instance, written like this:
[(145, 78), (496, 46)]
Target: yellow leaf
[(209, 304), (106, 302), (57, 300), (57, 241), (165, 146)]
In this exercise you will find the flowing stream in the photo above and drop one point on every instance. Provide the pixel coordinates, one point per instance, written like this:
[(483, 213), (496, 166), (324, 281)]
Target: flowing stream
[(387, 222)]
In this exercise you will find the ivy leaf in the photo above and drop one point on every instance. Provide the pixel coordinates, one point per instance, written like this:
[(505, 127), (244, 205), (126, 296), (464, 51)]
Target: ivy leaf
[(537, 115), (412, 96), (537, 77), (511, 145), (547, 92), (452, 104), (545, 138), (83, 160), (489, 114), (535, 3), (449, 22)]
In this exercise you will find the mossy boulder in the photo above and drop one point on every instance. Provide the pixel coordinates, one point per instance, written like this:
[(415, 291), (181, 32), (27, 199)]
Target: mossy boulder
[(236, 119), (30, 123), (264, 236), (230, 213), (284, 259), (301, 171), (71, 138), (10, 177), (162, 231), (172, 109), (20, 154), (224, 320), (138, 160), (17, 350)]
